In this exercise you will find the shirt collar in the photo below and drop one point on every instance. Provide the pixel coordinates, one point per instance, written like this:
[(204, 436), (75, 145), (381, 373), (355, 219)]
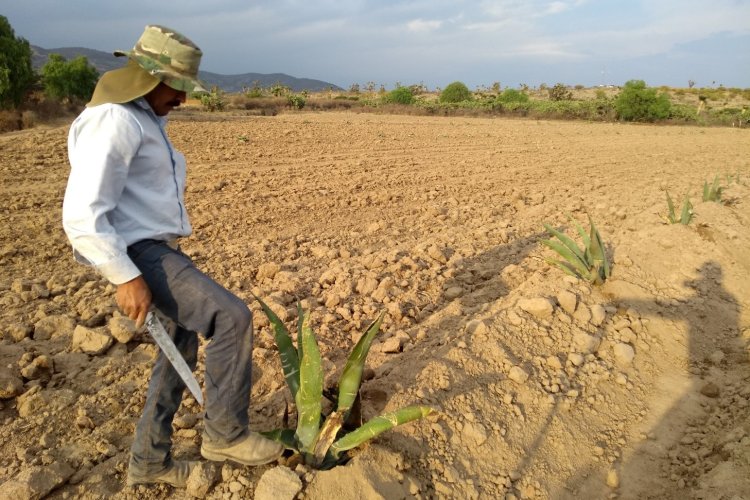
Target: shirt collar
[(142, 103)]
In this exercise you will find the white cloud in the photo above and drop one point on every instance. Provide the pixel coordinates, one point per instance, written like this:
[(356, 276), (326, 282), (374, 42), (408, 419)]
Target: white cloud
[(423, 26)]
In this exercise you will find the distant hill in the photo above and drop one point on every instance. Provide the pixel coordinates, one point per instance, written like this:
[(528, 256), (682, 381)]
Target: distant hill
[(105, 61)]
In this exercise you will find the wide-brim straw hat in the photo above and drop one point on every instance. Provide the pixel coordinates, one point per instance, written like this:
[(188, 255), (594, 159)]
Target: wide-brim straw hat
[(160, 55)]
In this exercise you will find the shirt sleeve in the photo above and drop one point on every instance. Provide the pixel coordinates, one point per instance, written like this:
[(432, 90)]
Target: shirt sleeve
[(101, 145)]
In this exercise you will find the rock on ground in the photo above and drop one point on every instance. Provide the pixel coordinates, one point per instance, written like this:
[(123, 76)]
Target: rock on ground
[(36, 482), (538, 307), (279, 483)]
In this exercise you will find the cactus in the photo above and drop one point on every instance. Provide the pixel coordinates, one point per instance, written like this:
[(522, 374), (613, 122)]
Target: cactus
[(324, 446), (589, 263)]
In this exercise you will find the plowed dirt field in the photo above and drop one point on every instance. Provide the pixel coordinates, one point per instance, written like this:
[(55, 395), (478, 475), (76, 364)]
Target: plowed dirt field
[(544, 386)]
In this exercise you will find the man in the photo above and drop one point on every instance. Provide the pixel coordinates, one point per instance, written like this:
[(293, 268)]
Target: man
[(123, 212)]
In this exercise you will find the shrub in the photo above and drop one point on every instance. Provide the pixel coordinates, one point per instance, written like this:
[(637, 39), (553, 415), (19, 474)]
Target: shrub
[(10, 120), (16, 73), (296, 101), (253, 92), (418, 88), (400, 95), (511, 95), (683, 112), (278, 89), (559, 92), (636, 102), (455, 92), (214, 100)]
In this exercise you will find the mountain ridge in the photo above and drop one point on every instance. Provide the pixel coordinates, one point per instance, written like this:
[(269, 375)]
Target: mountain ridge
[(106, 61)]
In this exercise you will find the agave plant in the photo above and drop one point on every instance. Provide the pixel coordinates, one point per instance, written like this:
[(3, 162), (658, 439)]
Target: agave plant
[(686, 215), (324, 446), (712, 192), (589, 263)]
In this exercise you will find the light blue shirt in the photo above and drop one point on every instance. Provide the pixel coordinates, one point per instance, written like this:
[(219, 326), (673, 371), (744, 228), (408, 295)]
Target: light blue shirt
[(126, 184)]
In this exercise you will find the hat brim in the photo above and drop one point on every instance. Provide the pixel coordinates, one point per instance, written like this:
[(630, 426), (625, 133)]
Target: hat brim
[(177, 81), (123, 85)]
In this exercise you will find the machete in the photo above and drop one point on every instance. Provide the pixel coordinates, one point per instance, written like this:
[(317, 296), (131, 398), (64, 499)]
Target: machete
[(165, 343)]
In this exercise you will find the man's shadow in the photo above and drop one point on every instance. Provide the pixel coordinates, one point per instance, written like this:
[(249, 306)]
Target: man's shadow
[(680, 448)]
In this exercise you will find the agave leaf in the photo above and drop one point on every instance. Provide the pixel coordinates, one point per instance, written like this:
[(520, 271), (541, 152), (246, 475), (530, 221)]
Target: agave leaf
[(670, 208), (311, 388), (596, 248), (287, 352), (283, 436), (351, 376), (568, 242), (564, 266), (300, 317), (598, 251), (327, 434), (576, 262), (581, 231), (687, 212), (377, 426)]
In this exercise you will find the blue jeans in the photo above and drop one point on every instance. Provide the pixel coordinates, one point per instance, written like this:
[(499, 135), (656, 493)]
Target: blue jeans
[(195, 303)]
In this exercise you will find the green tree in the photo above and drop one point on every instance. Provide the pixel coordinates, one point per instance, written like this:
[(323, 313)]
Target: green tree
[(455, 92), (68, 80), (16, 73), (512, 95), (637, 102), (400, 95)]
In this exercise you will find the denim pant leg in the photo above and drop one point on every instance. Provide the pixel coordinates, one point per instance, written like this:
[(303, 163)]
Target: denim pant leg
[(196, 303), (150, 451)]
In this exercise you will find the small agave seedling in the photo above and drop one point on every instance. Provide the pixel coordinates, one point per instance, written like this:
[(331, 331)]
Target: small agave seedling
[(712, 192), (686, 215), (323, 446), (589, 263)]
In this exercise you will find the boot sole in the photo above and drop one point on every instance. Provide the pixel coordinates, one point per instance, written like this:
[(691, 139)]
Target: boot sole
[(136, 482), (217, 456)]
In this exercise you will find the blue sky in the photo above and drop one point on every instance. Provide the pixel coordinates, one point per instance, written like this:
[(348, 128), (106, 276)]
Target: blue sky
[(588, 42)]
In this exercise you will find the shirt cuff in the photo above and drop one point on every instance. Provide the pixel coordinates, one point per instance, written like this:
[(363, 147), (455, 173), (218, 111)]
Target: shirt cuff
[(119, 270)]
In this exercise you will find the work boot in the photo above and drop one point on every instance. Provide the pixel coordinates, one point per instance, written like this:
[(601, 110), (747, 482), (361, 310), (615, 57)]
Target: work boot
[(175, 475), (252, 449)]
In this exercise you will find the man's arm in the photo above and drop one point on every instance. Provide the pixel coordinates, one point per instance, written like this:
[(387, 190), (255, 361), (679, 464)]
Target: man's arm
[(101, 146)]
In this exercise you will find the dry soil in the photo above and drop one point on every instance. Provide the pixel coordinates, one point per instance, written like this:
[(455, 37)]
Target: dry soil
[(544, 386)]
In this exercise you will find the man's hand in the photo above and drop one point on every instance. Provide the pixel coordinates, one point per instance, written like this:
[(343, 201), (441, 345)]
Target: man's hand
[(134, 299)]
